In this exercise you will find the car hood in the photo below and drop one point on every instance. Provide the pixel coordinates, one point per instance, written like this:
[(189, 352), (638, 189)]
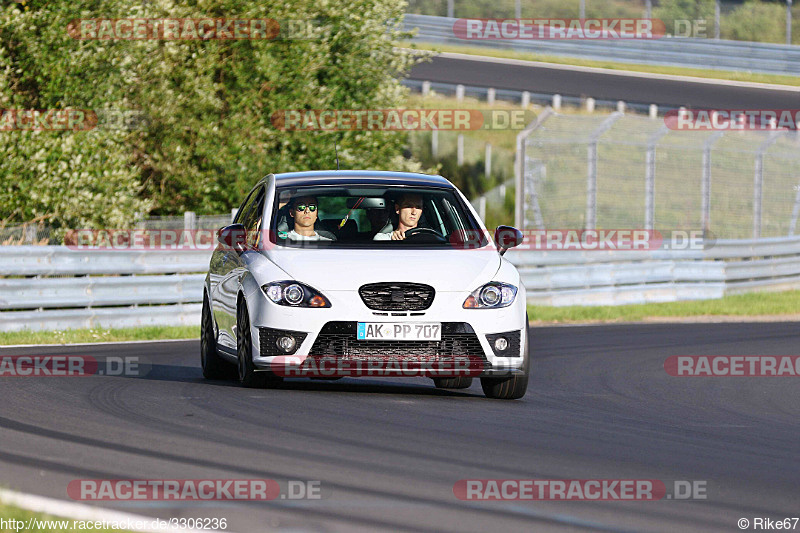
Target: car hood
[(347, 270)]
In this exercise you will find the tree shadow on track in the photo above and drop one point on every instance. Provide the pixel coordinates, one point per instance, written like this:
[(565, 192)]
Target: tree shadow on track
[(366, 385)]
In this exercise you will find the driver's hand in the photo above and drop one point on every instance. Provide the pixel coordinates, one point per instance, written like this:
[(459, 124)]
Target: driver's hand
[(398, 235)]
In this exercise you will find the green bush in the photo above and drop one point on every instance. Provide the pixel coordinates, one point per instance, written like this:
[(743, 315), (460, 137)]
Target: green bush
[(208, 135), (671, 11), (755, 21)]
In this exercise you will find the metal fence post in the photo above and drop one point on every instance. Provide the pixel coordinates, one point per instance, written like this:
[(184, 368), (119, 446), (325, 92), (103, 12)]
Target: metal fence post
[(487, 160), (758, 183), (519, 166), (795, 212), (435, 143), (650, 178), (490, 95), (591, 173), (705, 187), (189, 221), (591, 187), (526, 99), (426, 88)]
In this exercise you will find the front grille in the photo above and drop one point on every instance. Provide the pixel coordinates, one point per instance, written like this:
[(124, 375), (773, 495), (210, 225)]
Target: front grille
[(397, 296), (268, 337), (513, 349), (339, 339)]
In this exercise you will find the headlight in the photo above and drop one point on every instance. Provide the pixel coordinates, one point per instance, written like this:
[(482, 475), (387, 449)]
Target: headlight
[(493, 295), (293, 294)]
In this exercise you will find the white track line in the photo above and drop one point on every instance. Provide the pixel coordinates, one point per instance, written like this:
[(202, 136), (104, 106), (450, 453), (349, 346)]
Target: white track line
[(80, 511), (626, 73)]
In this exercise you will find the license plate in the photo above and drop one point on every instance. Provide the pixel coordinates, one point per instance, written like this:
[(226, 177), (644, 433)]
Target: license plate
[(398, 331)]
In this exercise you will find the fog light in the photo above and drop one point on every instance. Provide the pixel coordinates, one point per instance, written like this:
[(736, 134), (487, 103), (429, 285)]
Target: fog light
[(500, 344), (286, 343)]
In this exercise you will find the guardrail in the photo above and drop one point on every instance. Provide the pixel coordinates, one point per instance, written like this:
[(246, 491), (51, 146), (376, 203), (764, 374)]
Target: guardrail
[(118, 288), (618, 277), (99, 288), (669, 51)]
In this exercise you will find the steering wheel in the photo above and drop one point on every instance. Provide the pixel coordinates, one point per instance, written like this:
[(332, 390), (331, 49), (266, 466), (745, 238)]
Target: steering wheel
[(425, 235)]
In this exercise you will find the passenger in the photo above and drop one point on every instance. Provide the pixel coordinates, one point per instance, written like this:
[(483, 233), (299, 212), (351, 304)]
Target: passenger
[(304, 212), (408, 208)]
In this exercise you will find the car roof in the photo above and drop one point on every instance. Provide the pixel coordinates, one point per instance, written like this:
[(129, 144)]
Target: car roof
[(360, 177)]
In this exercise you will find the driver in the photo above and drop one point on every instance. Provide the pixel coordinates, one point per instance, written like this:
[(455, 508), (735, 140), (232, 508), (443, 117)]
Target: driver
[(408, 208)]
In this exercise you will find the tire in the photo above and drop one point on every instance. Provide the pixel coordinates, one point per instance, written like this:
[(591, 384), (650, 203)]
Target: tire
[(514, 387), (248, 375), (214, 367), (459, 382)]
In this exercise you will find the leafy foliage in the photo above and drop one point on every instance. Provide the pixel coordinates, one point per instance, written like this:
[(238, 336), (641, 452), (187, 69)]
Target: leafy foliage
[(756, 21), (207, 136)]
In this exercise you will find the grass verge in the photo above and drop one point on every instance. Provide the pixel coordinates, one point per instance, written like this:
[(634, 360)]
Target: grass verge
[(69, 336), (752, 77), (754, 304)]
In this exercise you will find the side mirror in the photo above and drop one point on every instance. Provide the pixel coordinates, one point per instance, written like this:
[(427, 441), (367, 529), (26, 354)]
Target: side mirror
[(233, 236), (507, 237)]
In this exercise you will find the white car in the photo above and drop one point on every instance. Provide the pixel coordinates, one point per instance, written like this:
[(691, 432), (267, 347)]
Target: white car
[(328, 274)]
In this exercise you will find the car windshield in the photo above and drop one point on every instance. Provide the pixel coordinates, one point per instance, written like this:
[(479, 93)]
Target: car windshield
[(372, 217)]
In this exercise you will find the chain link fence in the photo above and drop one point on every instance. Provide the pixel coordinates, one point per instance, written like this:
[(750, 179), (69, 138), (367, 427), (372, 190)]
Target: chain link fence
[(622, 171)]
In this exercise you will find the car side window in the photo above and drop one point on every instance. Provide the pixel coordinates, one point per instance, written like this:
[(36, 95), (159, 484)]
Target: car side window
[(252, 220), (245, 207), (436, 221)]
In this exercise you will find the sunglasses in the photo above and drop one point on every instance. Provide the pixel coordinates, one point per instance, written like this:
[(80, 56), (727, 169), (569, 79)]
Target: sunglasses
[(302, 207)]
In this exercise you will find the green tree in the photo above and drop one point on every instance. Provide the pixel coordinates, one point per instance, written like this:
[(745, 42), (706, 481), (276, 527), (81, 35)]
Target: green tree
[(208, 134), (672, 11), (756, 21)]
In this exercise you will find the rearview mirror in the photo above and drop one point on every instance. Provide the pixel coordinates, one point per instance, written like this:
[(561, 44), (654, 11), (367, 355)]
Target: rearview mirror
[(506, 237), (366, 202)]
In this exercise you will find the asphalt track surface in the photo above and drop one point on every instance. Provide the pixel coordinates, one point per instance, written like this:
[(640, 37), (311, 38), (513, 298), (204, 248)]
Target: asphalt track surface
[(388, 452), (602, 85)]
